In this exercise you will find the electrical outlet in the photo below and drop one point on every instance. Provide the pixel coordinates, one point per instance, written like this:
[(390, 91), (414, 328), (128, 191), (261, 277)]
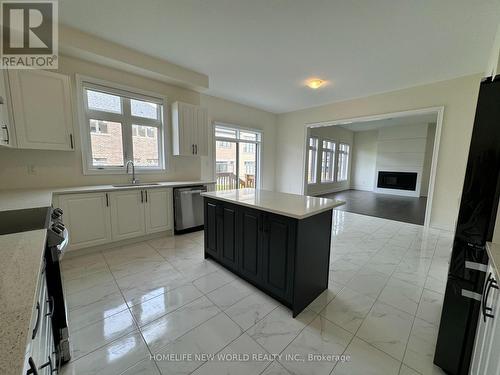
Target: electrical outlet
[(32, 169)]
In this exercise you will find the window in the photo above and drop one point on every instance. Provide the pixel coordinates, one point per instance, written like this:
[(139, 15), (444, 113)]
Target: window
[(343, 162), (312, 164), (327, 161), (237, 157), (121, 126)]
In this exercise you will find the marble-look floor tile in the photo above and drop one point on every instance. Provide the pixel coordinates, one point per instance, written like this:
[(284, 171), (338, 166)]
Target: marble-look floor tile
[(79, 266), (325, 297), (430, 307), (84, 282), (278, 328), (402, 295), (101, 333), (212, 281), (405, 370), (275, 368), (111, 359), (368, 282), (365, 359), (173, 242), (319, 337), (94, 312), (387, 329), (421, 347), (243, 345), (163, 304), (98, 293), (168, 328), (436, 283), (146, 367), (251, 309), (206, 339), (140, 266), (227, 295), (348, 309)]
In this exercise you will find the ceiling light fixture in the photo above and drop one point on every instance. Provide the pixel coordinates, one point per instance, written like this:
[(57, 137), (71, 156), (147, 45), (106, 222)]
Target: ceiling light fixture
[(315, 83)]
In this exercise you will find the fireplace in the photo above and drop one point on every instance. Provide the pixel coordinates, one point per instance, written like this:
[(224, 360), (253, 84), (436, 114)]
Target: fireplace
[(397, 180)]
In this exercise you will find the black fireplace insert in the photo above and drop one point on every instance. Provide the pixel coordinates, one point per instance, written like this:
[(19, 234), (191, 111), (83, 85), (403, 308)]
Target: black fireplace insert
[(397, 180)]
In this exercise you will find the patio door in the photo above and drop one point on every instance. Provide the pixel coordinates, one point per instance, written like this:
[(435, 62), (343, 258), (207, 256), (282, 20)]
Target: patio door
[(236, 158)]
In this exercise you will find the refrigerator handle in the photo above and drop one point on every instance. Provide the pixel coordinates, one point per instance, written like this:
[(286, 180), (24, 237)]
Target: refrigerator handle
[(490, 283)]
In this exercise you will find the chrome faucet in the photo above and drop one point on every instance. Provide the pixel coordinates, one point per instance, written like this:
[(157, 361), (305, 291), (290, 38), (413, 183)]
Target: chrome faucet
[(134, 181)]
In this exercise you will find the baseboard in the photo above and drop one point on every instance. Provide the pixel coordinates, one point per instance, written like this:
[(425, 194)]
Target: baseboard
[(362, 188), (330, 191)]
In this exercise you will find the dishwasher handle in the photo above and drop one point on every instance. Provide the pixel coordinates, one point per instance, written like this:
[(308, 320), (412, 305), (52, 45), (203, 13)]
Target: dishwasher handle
[(191, 192)]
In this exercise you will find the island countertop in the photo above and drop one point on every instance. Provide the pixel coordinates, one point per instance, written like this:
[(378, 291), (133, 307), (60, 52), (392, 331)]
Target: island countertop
[(291, 205)]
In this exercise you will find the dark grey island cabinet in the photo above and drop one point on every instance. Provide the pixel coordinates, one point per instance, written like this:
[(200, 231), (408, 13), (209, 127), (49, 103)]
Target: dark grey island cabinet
[(286, 257)]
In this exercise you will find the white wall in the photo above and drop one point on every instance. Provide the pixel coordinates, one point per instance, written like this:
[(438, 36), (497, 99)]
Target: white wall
[(401, 149), (426, 170), (364, 160), (458, 96), (57, 168), (337, 134)]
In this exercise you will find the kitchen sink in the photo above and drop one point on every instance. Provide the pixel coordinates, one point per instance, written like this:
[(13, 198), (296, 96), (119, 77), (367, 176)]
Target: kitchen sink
[(138, 184)]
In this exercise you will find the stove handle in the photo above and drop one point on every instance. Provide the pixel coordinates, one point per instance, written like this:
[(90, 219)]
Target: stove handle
[(50, 301)]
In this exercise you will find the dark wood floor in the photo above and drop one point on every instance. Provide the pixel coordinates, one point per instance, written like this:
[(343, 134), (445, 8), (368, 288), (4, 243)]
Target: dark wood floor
[(393, 207)]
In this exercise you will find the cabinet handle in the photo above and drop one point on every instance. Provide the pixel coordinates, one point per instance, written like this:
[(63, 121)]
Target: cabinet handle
[(4, 127), (142, 197), (491, 283), (107, 200), (50, 301), (71, 141), (32, 370), (35, 330), (196, 148), (146, 195), (192, 149)]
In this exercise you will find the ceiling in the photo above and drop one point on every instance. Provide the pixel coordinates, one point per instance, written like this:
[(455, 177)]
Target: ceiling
[(395, 121), (259, 52)]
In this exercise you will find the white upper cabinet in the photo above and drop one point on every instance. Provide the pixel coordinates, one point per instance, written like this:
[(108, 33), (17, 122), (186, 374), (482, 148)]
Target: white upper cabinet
[(7, 136), (189, 129), (41, 109)]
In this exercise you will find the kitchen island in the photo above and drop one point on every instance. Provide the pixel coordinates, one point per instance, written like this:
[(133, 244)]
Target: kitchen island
[(278, 242)]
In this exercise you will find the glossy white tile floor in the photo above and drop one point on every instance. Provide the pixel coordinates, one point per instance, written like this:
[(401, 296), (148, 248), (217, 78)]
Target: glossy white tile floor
[(142, 308)]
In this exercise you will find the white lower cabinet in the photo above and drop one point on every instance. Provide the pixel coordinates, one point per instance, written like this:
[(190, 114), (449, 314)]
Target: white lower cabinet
[(158, 218), (98, 218), (486, 359), (88, 219)]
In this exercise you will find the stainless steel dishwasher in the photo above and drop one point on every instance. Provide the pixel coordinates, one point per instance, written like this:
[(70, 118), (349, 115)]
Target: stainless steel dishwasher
[(188, 208)]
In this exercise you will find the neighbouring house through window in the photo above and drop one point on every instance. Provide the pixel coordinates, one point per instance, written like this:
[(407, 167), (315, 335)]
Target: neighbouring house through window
[(237, 155), (121, 126)]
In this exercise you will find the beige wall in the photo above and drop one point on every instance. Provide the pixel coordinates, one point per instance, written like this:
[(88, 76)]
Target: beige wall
[(337, 134), (458, 96), (57, 168)]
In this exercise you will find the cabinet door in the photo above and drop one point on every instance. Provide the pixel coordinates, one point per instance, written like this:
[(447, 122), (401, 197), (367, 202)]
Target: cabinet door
[(201, 136), (127, 214), (211, 228), (87, 218), (249, 244), (6, 132), (158, 210), (278, 252), (188, 129), (42, 113), (226, 236)]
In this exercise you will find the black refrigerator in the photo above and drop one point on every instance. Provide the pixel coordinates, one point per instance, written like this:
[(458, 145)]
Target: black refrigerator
[(475, 224)]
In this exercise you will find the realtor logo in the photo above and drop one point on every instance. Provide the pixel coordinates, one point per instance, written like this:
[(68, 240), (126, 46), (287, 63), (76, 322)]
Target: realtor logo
[(29, 35)]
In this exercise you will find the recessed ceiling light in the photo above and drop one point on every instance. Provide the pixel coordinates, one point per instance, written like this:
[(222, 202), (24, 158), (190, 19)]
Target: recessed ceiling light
[(315, 83)]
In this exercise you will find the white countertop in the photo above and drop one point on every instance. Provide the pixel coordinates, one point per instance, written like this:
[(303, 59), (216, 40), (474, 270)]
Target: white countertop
[(493, 250), (29, 198), (292, 205)]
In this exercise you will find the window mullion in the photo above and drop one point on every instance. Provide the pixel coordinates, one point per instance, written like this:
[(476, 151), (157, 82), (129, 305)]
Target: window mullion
[(127, 131)]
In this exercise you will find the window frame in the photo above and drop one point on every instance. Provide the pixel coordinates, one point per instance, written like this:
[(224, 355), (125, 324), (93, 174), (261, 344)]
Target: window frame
[(347, 153), (315, 167), (127, 120), (238, 129), (333, 153)]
